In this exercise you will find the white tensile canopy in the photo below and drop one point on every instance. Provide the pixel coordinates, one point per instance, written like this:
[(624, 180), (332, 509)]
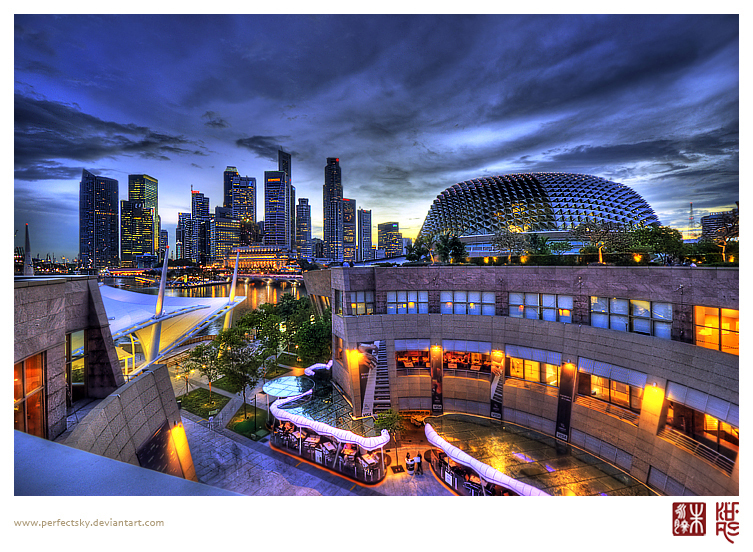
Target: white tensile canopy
[(130, 312)]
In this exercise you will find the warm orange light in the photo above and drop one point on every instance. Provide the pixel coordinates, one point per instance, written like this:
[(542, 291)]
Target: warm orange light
[(523, 259), (653, 399), (637, 258), (486, 260)]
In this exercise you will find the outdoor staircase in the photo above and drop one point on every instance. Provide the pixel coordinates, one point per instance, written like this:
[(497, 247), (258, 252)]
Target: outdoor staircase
[(382, 381), (497, 387)]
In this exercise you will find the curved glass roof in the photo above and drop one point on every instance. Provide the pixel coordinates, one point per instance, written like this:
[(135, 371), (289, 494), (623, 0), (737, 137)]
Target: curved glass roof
[(288, 386)]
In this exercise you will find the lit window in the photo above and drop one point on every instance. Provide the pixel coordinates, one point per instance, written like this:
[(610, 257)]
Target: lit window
[(718, 329), (467, 302)]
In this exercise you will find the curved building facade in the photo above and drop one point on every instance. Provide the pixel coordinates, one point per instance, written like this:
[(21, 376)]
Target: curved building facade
[(638, 366), (534, 202)]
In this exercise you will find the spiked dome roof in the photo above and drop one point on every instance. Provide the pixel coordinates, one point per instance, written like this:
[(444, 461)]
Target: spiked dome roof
[(534, 202)]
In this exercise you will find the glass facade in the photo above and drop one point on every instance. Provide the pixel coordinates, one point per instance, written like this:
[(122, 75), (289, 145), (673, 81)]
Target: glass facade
[(541, 306), (718, 329), (531, 370), (632, 315), (611, 391), (28, 395), (716, 434), (407, 302), (467, 302), (362, 302)]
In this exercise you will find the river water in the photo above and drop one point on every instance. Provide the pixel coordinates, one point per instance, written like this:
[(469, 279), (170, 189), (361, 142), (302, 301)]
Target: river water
[(256, 294)]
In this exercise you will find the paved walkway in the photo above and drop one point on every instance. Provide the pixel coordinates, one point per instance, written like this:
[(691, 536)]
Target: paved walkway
[(225, 459)]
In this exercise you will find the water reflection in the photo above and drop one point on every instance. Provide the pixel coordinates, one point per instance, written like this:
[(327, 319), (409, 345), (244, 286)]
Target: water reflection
[(256, 293)]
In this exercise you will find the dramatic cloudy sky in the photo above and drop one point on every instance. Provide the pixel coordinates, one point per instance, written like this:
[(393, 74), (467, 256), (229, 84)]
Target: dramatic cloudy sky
[(410, 105)]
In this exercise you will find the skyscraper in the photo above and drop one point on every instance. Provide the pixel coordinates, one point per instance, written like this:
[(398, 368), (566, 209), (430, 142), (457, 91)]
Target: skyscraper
[(144, 189), (333, 210), (276, 207), (243, 192), (284, 165), (364, 236), (349, 230), (303, 228), (98, 221), (200, 228), (224, 232), (139, 220), (390, 239), (183, 233), (136, 232), (227, 186), (163, 243)]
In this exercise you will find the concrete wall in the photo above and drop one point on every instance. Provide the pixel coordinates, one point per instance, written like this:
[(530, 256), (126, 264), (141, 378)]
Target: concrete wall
[(125, 420)]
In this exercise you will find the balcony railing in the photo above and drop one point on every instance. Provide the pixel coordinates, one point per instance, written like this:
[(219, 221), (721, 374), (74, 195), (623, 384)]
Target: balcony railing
[(698, 450), (613, 410)]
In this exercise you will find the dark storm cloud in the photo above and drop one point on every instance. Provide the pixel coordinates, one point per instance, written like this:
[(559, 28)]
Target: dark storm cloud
[(214, 120), (34, 39), (47, 130), (265, 147)]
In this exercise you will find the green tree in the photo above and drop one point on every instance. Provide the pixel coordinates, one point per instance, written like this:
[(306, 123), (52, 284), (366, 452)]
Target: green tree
[(728, 229), (560, 247), (314, 340), (507, 241), (604, 236), (392, 421), (660, 240), (538, 245), (448, 246), (243, 365), (417, 250), (205, 359)]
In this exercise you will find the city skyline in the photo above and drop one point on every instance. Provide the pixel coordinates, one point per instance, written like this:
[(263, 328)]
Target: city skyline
[(409, 104)]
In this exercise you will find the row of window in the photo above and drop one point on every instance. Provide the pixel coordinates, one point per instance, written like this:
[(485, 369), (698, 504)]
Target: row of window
[(715, 328)]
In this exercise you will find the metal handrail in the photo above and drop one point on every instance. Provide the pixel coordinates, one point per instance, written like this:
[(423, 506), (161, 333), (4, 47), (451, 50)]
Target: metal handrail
[(698, 450)]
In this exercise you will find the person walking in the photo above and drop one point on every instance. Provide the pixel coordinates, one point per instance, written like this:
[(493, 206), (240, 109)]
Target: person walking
[(419, 466), (409, 464)]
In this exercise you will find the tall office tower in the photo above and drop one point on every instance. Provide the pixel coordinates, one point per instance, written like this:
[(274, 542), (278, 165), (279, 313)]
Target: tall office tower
[(407, 242), (390, 239), (225, 233), (365, 253), (227, 186), (136, 232), (183, 236), (163, 244), (276, 209), (99, 236), (349, 230), (317, 248), (303, 228), (144, 189), (284, 164), (200, 232), (243, 192), (333, 210)]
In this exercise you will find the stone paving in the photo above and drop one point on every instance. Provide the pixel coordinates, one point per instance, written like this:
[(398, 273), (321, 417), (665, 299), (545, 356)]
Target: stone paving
[(225, 459)]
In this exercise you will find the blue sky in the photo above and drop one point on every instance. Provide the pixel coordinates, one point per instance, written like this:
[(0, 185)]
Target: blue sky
[(410, 105)]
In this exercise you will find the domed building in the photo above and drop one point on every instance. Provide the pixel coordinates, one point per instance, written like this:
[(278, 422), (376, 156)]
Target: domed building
[(549, 203)]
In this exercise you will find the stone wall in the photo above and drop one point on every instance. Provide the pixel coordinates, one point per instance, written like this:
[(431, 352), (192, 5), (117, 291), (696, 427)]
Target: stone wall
[(45, 310), (125, 420)]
